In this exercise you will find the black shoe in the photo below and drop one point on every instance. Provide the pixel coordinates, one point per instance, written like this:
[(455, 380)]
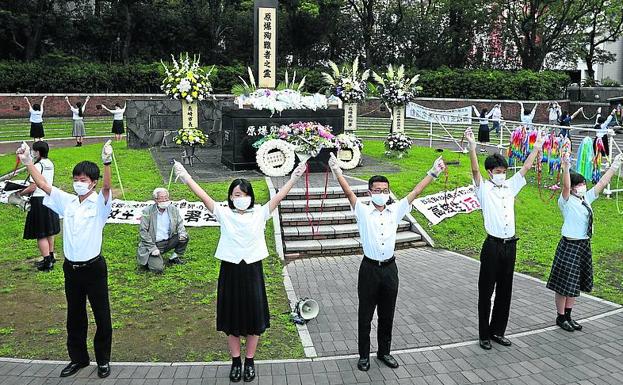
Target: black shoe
[(485, 344), (501, 340), (363, 364), (46, 264), (249, 373), (388, 360), (235, 374), (73, 368), (565, 325), (103, 371), (176, 261), (576, 326)]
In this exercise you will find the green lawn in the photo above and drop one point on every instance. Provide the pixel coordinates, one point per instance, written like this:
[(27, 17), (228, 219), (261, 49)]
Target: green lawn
[(170, 317), (19, 129), (538, 223)]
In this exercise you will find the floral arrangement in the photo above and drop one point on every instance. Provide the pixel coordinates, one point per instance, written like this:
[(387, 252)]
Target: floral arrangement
[(349, 152), (275, 157), (186, 80), (306, 137), (394, 88), (190, 137), (398, 144), (347, 84), (349, 141)]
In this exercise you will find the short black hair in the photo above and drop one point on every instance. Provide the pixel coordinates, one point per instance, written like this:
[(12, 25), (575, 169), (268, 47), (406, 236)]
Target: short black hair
[(495, 160), (601, 120), (377, 178), (576, 179), (42, 148), (87, 168), (245, 187), (36, 107), (483, 112), (117, 105)]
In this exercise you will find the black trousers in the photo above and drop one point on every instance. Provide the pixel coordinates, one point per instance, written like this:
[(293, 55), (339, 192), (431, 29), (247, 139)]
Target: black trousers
[(90, 282), (497, 265), (377, 288)]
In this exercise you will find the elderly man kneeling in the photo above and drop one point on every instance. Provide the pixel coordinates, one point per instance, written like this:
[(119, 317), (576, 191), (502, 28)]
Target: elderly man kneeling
[(162, 229)]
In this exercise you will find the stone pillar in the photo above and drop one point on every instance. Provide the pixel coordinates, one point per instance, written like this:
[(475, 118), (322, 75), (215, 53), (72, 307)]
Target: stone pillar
[(398, 119), (350, 117), (265, 42)]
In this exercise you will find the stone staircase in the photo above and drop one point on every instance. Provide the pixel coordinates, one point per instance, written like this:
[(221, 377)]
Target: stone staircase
[(328, 226)]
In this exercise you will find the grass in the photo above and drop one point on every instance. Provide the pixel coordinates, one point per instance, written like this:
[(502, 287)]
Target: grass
[(170, 317), (538, 222), (13, 130)]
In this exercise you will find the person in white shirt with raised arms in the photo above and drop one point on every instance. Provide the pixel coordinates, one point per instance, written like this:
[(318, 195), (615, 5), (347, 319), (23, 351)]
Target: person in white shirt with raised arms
[(377, 286), (77, 116), (241, 302), (117, 120), (86, 273), (36, 119)]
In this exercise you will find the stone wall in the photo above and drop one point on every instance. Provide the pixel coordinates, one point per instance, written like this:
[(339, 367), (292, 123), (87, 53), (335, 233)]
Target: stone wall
[(593, 94)]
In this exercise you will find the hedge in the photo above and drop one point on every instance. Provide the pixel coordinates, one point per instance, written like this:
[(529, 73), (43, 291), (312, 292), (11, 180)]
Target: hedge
[(85, 77)]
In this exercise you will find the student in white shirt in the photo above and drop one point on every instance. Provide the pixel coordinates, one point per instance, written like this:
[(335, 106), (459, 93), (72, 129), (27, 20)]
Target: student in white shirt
[(572, 268), (527, 117), (36, 119), (497, 257), (377, 286), (602, 133), (42, 223), (77, 112), (86, 275), (242, 305), (496, 117), (483, 129), (117, 121), (553, 113)]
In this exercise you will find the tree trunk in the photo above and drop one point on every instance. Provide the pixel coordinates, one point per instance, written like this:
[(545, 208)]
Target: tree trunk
[(36, 29), (590, 72), (127, 17)]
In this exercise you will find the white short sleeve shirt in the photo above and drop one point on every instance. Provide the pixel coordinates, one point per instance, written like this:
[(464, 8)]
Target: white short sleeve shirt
[(46, 168), (76, 113), (242, 235), (83, 223), (36, 116), (377, 229), (498, 205), (575, 215), (117, 113)]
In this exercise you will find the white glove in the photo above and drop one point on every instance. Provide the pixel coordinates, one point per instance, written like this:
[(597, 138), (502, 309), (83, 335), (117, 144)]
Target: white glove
[(298, 171), (107, 153), (182, 237), (180, 172), (566, 159), (616, 162), (155, 252), (335, 168), (23, 153), (471, 142), (437, 168), (540, 140)]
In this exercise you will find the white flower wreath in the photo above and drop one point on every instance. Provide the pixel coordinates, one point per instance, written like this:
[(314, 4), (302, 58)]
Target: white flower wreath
[(349, 157), (275, 157)]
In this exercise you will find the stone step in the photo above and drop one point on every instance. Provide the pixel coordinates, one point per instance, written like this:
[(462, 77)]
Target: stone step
[(319, 192), (316, 205), (349, 230), (325, 218), (340, 245)]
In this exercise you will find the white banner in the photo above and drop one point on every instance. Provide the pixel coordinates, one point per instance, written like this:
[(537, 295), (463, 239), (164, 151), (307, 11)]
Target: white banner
[(453, 116), (446, 204), (195, 214)]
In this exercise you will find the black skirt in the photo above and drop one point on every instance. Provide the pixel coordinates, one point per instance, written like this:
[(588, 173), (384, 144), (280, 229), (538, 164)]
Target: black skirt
[(572, 270), (41, 222), (483, 133), (36, 130), (241, 304), (117, 127)]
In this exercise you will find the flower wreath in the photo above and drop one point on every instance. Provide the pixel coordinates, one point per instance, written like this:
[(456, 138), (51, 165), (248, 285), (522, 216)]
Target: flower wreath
[(348, 157), (275, 157)]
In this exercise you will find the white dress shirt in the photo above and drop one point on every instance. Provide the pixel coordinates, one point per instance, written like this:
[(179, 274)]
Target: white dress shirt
[(117, 114), (575, 215), (603, 128), (83, 223), (36, 116), (496, 114), (498, 205), (242, 235), (46, 168), (76, 113), (162, 225), (377, 229), (554, 113)]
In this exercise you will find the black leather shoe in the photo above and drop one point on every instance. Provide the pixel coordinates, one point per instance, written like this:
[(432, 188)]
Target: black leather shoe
[(103, 371), (176, 261), (249, 373), (565, 325), (388, 360), (485, 344), (235, 374), (363, 364), (501, 340), (73, 368), (575, 325)]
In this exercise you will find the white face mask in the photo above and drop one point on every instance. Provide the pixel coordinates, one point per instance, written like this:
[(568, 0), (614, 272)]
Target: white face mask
[(380, 199), (164, 205), (498, 179), (242, 203), (81, 188), (580, 191)]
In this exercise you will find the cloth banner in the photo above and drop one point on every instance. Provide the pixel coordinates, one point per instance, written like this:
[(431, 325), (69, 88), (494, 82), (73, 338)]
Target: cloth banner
[(195, 214), (435, 209), (453, 116)]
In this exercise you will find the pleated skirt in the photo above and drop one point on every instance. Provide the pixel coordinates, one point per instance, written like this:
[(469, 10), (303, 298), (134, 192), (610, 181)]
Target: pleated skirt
[(241, 304), (117, 127), (36, 130), (572, 269), (41, 222), (79, 129)]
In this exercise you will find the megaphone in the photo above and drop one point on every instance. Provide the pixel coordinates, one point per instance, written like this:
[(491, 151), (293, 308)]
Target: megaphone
[(307, 309)]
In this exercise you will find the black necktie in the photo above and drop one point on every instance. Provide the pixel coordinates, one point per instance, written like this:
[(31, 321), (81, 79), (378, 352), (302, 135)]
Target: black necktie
[(589, 230)]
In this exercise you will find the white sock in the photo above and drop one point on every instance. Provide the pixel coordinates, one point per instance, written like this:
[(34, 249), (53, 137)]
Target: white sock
[(173, 256)]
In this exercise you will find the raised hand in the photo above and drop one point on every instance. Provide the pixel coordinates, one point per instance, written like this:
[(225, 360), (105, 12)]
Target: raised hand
[(23, 153), (298, 171), (107, 152), (437, 169), (540, 140), (335, 168), (616, 162), (180, 172), (471, 141)]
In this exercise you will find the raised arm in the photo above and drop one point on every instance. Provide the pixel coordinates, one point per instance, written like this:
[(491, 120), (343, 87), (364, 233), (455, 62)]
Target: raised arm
[(106, 108), (28, 101), (533, 110), (476, 110), (84, 106), (605, 179), (471, 148), (490, 113), (566, 176), (285, 189), (43, 101), (522, 109), (107, 160), (431, 176), (538, 146), (337, 173), (23, 153), (69, 104), (184, 176), (576, 113)]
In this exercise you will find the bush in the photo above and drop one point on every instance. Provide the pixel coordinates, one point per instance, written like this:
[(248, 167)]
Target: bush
[(63, 75)]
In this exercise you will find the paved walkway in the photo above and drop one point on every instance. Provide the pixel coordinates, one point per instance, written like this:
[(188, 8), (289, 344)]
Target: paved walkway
[(434, 336)]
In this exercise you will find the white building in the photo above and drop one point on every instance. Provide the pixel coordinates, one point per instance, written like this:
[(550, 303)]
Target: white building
[(612, 70)]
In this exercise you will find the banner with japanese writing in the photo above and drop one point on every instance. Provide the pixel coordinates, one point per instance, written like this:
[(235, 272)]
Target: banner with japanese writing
[(453, 116), (446, 204), (195, 214)]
